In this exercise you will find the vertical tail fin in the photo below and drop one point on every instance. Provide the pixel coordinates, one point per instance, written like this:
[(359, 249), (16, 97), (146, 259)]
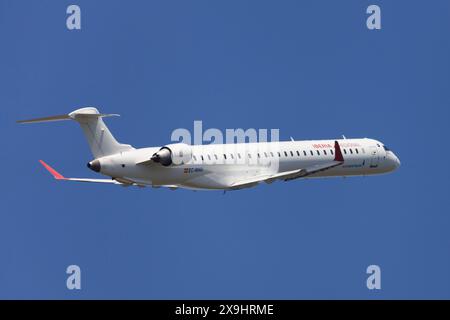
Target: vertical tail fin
[(100, 139)]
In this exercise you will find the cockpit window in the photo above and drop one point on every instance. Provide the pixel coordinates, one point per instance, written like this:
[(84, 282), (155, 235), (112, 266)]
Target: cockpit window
[(386, 148)]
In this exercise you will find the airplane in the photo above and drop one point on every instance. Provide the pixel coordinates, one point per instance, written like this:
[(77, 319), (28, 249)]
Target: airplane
[(221, 166)]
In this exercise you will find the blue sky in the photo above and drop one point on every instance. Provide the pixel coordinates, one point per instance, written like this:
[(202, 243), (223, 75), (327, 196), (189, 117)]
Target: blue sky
[(310, 68)]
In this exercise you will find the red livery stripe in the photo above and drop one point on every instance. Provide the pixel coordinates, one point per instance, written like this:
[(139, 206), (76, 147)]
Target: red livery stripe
[(54, 173)]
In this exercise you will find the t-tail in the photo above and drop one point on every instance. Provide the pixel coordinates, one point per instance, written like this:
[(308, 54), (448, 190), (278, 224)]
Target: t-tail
[(100, 139)]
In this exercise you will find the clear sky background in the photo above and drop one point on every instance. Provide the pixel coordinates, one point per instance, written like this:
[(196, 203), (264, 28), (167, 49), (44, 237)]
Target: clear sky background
[(310, 68)]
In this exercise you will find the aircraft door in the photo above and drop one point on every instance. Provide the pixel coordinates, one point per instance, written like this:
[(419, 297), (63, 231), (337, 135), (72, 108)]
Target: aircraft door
[(374, 157)]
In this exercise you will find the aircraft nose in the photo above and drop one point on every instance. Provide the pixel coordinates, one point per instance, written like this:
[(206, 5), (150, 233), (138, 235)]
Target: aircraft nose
[(395, 161)]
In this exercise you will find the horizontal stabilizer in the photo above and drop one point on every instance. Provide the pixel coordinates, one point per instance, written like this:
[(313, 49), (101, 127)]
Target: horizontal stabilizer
[(101, 142), (47, 119), (59, 176), (70, 116)]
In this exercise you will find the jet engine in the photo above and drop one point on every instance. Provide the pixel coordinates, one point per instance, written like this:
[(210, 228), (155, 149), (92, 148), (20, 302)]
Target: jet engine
[(173, 154)]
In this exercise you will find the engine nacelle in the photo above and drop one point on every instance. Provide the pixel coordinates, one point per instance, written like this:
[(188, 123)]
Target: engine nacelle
[(173, 154)]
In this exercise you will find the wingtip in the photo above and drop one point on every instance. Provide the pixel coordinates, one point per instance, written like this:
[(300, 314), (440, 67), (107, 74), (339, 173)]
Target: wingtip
[(337, 152), (53, 172)]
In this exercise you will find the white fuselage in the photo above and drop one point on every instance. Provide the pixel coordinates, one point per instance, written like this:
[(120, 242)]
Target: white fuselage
[(222, 166)]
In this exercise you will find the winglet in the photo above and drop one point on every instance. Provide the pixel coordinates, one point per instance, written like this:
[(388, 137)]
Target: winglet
[(54, 173), (337, 152)]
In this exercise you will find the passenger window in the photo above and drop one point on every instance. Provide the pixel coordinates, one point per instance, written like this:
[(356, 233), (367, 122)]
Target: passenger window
[(318, 152), (331, 151), (215, 156), (298, 153), (249, 156), (231, 155), (325, 152), (345, 151), (265, 154), (239, 155), (202, 157), (225, 156), (356, 150), (195, 158), (279, 155), (351, 151), (304, 152), (209, 157), (259, 156), (292, 154), (271, 154), (311, 152)]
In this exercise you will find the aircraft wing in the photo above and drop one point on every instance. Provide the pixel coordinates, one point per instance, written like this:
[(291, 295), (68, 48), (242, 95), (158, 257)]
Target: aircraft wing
[(311, 170), (294, 174), (286, 176), (59, 176), (268, 178)]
